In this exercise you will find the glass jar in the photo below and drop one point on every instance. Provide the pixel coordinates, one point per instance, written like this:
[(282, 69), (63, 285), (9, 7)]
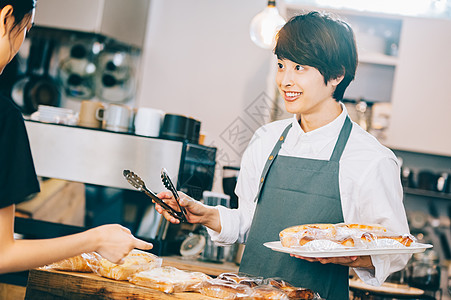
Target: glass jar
[(115, 76), (425, 272), (77, 73)]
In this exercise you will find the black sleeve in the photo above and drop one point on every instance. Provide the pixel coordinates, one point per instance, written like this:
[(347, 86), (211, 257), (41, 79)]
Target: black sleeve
[(18, 178)]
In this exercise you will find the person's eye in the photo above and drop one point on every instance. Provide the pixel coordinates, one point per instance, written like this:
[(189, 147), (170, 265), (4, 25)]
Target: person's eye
[(299, 68), (279, 65)]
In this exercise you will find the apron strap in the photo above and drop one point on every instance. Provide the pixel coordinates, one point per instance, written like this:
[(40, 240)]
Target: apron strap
[(336, 154), (342, 140), (271, 158)]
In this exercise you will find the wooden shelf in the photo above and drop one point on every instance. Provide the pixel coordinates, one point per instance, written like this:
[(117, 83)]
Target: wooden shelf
[(425, 193)]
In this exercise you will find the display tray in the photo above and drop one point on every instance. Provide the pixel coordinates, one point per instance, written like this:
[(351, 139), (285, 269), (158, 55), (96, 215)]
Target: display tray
[(414, 248), (386, 288)]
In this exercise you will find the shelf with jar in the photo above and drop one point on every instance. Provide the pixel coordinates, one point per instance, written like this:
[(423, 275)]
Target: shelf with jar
[(426, 183), (426, 193), (389, 46)]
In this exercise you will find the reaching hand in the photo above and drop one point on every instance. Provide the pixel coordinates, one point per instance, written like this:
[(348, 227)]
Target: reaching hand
[(116, 241)]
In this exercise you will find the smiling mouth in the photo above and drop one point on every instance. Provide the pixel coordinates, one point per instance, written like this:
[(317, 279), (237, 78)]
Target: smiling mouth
[(291, 96)]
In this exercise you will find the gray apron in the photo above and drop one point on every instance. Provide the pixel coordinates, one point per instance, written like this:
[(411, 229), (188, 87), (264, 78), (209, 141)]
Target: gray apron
[(295, 191)]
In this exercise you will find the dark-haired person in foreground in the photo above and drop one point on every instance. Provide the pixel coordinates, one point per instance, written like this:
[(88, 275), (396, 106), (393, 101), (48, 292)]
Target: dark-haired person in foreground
[(18, 178), (316, 167)]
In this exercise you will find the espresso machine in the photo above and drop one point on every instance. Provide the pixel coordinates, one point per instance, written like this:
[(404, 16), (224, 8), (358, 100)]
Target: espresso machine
[(97, 158)]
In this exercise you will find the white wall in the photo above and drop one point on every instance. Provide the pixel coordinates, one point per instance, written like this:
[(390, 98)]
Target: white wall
[(199, 61)]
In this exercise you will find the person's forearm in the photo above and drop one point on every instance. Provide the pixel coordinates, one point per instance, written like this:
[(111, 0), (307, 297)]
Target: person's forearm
[(212, 219), (112, 241), (28, 254)]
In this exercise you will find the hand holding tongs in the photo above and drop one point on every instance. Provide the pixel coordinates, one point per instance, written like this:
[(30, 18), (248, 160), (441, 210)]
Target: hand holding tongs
[(170, 186), (139, 184)]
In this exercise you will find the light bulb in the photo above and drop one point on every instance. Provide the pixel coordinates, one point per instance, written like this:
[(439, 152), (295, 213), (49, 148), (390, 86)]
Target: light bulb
[(265, 25)]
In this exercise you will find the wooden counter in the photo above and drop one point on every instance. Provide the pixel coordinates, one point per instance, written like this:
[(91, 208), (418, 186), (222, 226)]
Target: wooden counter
[(49, 284), (52, 285), (11, 292), (210, 268)]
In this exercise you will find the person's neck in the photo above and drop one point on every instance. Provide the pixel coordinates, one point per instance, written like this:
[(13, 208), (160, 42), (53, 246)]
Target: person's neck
[(320, 118)]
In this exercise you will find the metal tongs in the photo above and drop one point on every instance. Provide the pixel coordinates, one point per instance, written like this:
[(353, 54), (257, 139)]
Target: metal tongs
[(170, 186), (139, 184)]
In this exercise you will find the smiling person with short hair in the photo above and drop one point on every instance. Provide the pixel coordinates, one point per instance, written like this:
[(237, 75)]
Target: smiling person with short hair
[(316, 167)]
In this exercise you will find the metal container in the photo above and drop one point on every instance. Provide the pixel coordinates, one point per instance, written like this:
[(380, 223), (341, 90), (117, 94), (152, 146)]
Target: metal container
[(214, 199), (213, 252), (180, 128), (174, 127)]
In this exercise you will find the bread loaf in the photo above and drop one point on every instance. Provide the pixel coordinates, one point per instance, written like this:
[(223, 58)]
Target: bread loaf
[(74, 264), (348, 235), (224, 289), (265, 292), (301, 234), (136, 261), (365, 228), (170, 280), (241, 279), (293, 293), (406, 240)]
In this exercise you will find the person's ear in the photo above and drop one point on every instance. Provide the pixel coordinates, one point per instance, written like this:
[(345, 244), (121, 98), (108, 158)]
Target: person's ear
[(336, 81), (6, 16)]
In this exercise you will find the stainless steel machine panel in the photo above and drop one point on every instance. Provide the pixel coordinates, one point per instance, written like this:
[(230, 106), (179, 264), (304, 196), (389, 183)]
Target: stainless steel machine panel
[(99, 157)]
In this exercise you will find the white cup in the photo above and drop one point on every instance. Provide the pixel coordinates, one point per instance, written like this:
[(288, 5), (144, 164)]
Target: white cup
[(148, 121), (116, 117), (59, 115)]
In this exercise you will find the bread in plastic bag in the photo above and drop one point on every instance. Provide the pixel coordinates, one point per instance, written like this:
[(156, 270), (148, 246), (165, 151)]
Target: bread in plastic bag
[(224, 289), (266, 292), (293, 293), (74, 264), (242, 278), (233, 286), (331, 236), (170, 279), (136, 261), (292, 236)]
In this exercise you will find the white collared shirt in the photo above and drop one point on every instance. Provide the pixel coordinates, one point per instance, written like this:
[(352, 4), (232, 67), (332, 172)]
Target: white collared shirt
[(369, 179)]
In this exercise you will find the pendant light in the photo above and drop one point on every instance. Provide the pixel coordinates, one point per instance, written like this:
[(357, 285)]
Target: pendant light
[(265, 25)]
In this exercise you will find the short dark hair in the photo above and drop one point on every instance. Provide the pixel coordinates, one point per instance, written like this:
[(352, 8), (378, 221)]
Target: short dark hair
[(321, 41)]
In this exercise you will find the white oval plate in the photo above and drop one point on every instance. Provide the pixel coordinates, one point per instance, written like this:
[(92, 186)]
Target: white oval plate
[(413, 248)]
